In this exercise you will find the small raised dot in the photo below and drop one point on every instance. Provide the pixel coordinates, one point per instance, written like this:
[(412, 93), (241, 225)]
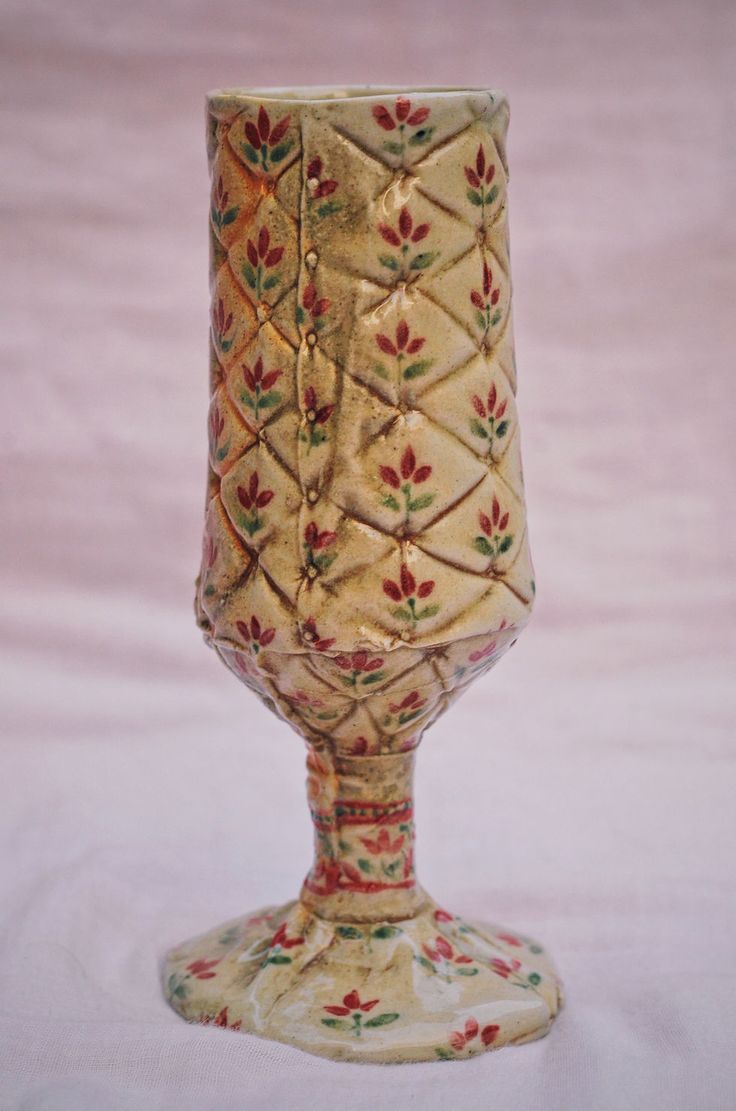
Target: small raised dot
[(312, 496), (311, 258), (312, 571), (311, 338), (262, 313), (406, 635), (306, 635), (311, 415), (312, 183)]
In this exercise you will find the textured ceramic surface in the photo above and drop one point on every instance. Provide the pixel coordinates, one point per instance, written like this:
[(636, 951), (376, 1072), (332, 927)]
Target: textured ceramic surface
[(365, 552)]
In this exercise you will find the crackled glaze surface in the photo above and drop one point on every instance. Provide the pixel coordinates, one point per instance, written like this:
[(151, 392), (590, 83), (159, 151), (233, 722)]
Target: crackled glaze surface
[(365, 550)]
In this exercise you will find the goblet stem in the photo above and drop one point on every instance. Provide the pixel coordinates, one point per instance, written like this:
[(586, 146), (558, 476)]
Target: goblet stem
[(362, 808)]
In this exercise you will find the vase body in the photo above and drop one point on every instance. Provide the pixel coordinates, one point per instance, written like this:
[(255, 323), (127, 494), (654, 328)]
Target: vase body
[(365, 554)]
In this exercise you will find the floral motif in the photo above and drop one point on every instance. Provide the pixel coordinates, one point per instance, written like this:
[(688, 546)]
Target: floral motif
[(491, 412), (408, 709), (319, 188), (254, 635), (403, 119), (398, 349), (481, 193), (262, 257), (384, 843), (279, 943), (407, 593), (222, 322), (402, 237), (258, 393), (177, 984), (222, 215), (313, 307), (266, 146), (220, 1020), (352, 1003), (316, 541), (361, 668), (441, 958), (317, 416), (209, 552), (485, 300), (252, 500), (495, 540), (215, 427), (310, 633), (412, 476), (460, 1039), (510, 970)]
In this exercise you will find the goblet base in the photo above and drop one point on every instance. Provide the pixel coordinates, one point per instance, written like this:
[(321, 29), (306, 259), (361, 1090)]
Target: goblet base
[(416, 989)]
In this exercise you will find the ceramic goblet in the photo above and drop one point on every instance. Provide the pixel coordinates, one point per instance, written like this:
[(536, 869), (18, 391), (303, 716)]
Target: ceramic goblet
[(365, 547)]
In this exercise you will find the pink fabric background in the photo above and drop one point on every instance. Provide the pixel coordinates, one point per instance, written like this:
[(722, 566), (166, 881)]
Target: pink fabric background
[(583, 792)]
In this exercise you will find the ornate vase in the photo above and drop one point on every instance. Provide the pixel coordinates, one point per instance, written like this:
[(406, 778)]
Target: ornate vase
[(365, 547)]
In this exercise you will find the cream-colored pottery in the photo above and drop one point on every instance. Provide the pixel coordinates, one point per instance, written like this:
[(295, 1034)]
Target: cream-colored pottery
[(365, 552)]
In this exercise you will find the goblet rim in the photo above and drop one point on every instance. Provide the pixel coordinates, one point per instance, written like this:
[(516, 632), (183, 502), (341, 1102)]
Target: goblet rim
[(330, 94)]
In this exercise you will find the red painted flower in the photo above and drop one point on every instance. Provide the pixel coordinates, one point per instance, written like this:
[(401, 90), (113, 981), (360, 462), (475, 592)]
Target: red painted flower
[(407, 586), (406, 231), (505, 968), (209, 551), (402, 115), (216, 425), (266, 141), (460, 1038), (314, 174), (262, 251), (317, 540), (351, 1002), (359, 661), (255, 379), (413, 701), (488, 649), (202, 969), (280, 938), (220, 212), (443, 915), (253, 498), (495, 540), (384, 843), (409, 471), (316, 413), (485, 299), (312, 305), (389, 347), (510, 939), (442, 950), (311, 635), (254, 635), (479, 178), (222, 322)]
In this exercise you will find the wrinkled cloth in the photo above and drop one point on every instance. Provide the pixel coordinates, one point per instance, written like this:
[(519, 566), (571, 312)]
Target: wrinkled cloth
[(583, 792)]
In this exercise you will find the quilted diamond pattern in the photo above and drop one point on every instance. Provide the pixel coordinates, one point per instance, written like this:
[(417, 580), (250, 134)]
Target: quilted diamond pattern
[(365, 552)]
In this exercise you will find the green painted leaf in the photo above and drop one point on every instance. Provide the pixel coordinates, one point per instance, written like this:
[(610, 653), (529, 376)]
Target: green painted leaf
[(226, 344), (327, 715), (248, 400), (328, 209), (536, 949), (271, 281), (374, 677), (299, 314), (386, 931), (319, 325), (349, 932), (482, 545), (273, 397), (250, 153), (229, 936), (478, 428), (473, 197), (505, 543), (402, 613), (423, 260), (364, 865), (389, 262), (502, 428), (280, 152), (382, 1020), (380, 370), (421, 502), (415, 370), (335, 1023), (534, 978), (230, 215), (466, 971), (428, 611), (393, 147), (405, 718), (420, 137), (426, 963), (492, 194), (480, 319), (279, 958), (249, 274), (495, 318), (223, 452), (209, 591), (444, 1054), (216, 218), (391, 503)]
